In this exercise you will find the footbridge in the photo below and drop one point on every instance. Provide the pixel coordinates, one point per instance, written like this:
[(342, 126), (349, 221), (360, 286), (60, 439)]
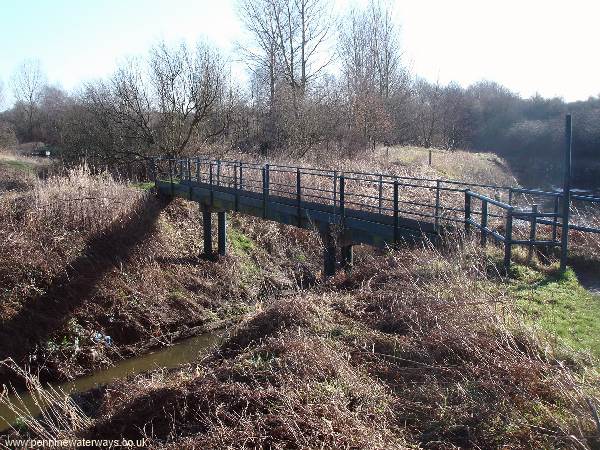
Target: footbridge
[(354, 207)]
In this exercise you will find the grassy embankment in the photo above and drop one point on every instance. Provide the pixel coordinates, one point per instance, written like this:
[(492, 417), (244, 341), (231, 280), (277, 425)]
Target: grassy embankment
[(84, 256), (421, 347)]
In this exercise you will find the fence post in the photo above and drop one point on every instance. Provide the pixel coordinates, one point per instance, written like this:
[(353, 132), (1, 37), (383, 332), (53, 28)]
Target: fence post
[(396, 216), (484, 222), (564, 251), (437, 206), (380, 192), (335, 177), (188, 170), (207, 227), (210, 181), (342, 199), (299, 197), (221, 233), (555, 218), (510, 195), (241, 176), (508, 238), (198, 169), (171, 176), (467, 212), (235, 185), (218, 172), (532, 231), (180, 170), (265, 171)]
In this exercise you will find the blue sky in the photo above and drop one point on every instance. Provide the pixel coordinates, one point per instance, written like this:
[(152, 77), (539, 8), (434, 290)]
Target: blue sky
[(546, 46)]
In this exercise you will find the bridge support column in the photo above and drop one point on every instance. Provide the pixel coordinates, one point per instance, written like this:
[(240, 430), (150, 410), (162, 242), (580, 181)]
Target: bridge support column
[(328, 250), (222, 235), (207, 229), (347, 257)]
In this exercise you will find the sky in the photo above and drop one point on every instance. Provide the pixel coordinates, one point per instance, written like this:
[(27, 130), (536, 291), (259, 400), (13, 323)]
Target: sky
[(531, 46)]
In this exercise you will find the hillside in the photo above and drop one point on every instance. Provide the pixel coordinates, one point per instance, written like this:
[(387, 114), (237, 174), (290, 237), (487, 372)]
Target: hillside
[(419, 347)]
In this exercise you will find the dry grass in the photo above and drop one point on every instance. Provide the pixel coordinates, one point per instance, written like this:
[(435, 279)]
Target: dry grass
[(55, 217), (84, 254), (55, 415), (416, 349)]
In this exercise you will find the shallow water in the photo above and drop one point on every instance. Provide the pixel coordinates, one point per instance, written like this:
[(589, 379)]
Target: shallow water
[(185, 351)]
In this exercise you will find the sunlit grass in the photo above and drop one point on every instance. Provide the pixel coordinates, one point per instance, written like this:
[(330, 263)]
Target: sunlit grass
[(559, 305)]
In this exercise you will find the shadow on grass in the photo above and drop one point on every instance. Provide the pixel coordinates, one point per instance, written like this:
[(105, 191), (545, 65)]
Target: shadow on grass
[(43, 315)]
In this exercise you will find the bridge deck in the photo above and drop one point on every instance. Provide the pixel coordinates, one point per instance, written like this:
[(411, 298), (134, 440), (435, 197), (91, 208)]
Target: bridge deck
[(356, 226)]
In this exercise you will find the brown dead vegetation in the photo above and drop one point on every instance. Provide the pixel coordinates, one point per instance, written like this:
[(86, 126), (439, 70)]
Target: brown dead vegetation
[(409, 351), (416, 348), (84, 255)]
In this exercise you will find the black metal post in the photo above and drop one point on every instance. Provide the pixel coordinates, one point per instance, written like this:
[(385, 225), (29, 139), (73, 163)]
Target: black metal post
[(380, 192), (342, 200), (532, 231), (171, 176), (221, 235), (555, 218), (265, 172), (207, 229), (241, 176), (508, 238), (436, 219), (328, 250), (396, 215), (210, 181), (335, 177), (235, 185), (299, 197), (198, 170), (467, 212), (347, 257), (484, 222), (564, 252)]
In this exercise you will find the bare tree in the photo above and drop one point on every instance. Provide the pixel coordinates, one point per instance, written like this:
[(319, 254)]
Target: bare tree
[(173, 100), (261, 55), (376, 82), (303, 27), (189, 95), (27, 84), (428, 98)]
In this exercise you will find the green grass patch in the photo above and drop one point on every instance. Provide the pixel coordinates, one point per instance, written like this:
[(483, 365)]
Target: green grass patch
[(143, 185), (241, 244), (19, 165), (559, 305)]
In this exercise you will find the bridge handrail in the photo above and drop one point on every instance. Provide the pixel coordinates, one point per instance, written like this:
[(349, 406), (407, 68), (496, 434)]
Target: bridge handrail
[(378, 192)]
